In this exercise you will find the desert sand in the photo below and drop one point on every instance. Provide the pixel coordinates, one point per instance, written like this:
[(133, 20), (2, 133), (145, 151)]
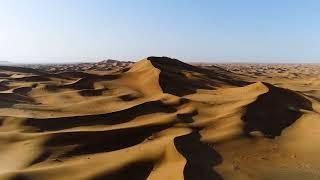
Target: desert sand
[(160, 118)]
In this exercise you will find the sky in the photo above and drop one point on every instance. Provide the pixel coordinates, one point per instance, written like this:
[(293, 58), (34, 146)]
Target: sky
[(263, 31)]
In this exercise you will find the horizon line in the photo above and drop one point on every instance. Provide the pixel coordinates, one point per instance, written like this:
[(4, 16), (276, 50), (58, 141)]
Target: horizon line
[(212, 60)]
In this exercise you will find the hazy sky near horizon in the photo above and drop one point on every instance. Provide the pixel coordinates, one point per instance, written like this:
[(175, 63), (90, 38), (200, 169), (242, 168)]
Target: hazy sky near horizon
[(206, 30)]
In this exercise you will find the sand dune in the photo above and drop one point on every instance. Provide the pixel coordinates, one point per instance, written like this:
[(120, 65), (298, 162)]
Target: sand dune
[(158, 119)]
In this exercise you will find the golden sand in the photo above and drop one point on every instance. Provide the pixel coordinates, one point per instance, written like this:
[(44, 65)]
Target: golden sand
[(161, 119)]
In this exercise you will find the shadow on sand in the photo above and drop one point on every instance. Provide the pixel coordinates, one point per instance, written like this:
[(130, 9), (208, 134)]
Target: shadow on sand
[(200, 157), (275, 110), (112, 118), (173, 80)]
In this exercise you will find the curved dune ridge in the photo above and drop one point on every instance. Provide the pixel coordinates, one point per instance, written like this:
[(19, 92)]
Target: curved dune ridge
[(159, 119)]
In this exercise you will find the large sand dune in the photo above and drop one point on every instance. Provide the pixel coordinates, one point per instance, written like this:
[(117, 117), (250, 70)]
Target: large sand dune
[(160, 119)]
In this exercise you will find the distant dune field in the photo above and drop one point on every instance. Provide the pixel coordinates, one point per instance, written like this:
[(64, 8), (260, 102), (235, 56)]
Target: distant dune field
[(161, 119)]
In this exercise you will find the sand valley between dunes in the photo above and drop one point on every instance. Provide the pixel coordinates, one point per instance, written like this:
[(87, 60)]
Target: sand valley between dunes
[(163, 119)]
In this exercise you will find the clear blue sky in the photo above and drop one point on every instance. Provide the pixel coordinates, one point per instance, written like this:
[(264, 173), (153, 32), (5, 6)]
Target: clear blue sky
[(205, 30)]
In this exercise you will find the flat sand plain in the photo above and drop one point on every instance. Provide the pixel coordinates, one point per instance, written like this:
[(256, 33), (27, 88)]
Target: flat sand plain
[(161, 119)]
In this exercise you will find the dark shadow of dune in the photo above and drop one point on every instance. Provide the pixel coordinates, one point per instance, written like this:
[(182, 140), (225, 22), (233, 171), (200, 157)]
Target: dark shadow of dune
[(273, 111), (201, 158), (73, 74), (20, 177), (133, 171), (92, 92), (7, 100), (1, 121), (37, 73), (52, 87), (4, 85), (184, 101), (44, 155), (113, 118), (102, 141), (83, 83), (4, 75), (22, 90), (173, 81), (123, 70), (128, 97), (80, 74), (187, 117), (32, 79), (22, 70)]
